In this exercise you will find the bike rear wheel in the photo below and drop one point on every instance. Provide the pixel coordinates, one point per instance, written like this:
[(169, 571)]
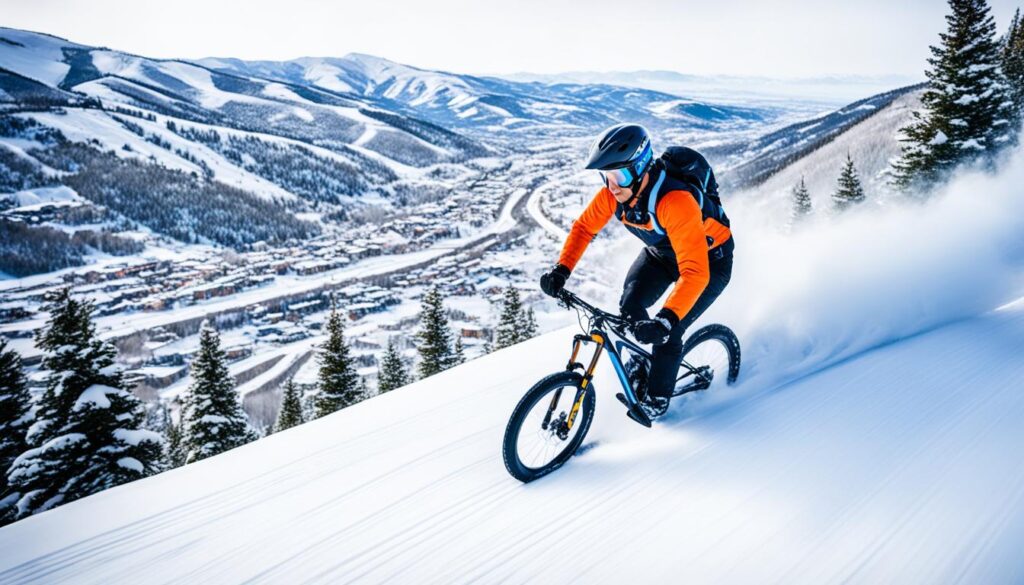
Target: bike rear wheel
[(537, 441), (710, 355)]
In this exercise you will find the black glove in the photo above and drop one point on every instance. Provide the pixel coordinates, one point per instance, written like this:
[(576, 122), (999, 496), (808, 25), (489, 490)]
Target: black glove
[(655, 330), (553, 282)]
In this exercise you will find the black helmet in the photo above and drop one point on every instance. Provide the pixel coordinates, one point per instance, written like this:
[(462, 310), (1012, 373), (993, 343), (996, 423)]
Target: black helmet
[(623, 146)]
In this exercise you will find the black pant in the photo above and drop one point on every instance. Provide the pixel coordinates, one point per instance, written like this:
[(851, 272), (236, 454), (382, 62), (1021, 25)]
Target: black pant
[(647, 279)]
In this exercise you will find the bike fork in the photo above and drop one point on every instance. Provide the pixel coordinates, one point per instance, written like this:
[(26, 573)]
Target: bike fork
[(588, 374)]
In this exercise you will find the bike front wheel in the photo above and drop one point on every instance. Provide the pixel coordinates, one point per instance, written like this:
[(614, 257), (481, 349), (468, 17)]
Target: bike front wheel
[(538, 439), (711, 355)]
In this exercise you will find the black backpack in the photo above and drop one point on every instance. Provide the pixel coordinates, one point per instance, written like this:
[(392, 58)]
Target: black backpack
[(689, 166)]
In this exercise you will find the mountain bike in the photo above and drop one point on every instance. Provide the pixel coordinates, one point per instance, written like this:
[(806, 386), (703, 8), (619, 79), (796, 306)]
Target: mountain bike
[(551, 420)]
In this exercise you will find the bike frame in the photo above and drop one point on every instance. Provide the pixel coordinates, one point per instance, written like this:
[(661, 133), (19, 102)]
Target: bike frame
[(600, 334)]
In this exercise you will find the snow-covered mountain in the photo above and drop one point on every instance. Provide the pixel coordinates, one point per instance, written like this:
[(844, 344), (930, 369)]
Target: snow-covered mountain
[(873, 437), (286, 148), (733, 89), (40, 67), (466, 101), (281, 160)]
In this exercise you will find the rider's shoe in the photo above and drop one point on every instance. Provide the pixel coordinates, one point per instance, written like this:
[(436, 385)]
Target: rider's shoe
[(636, 373), (655, 406)]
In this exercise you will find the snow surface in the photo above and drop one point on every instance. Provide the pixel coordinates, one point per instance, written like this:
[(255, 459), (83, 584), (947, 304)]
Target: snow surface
[(873, 437), (97, 396), (131, 463), (135, 436), (43, 196), (39, 57), (885, 467)]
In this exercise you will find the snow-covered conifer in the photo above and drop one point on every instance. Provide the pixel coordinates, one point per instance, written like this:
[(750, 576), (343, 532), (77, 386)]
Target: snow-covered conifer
[(528, 329), (459, 353), (15, 417), (338, 380), (802, 206), (509, 331), (290, 414), (392, 373), (967, 109), (1013, 68), (212, 418), (850, 191), (88, 433), (435, 336), (174, 447)]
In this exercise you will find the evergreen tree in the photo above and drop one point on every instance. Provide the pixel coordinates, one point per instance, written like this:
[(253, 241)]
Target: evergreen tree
[(174, 451), (459, 356), (509, 330), (15, 418), (88, 432), (212, 419), (291, 408), (157, 416), (435, 347), (802, 206), (364, 390), (967, 108), (392, 373), (529, 327), (338, 381), (850, 191), (159, 420), (1013, 68), (309, 401)]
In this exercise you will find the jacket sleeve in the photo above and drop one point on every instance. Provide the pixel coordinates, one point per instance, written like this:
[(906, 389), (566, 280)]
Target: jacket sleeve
[(586, 227), (680, 216)]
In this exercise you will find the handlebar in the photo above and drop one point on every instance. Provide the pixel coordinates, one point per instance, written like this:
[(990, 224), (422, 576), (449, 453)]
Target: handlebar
[(571, 300)]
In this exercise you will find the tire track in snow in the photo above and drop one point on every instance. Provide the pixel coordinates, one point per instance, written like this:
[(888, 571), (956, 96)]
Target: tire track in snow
[(302, 556)]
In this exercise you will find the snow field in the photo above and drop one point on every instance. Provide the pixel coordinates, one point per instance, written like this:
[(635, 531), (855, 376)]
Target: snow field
[(35, 56), (884, 467), (839, 286)]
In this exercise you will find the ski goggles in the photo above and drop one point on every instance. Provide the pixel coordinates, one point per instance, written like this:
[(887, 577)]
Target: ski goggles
[(623, 177)]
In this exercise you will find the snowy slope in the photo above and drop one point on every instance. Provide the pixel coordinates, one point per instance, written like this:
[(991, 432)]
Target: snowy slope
[(33, 55), (872, 144), (883, 468), (873, 437), (752, 162)]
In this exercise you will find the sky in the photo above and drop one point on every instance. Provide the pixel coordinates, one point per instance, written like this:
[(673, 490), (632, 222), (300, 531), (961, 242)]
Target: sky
[(777, 38)]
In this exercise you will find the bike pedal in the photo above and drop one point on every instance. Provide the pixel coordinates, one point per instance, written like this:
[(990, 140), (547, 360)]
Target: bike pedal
[(639, 417), (634, 413)]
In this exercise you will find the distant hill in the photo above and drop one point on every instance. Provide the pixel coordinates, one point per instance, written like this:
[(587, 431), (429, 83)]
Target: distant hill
[(873, 144), (750, 164), (467, 101)]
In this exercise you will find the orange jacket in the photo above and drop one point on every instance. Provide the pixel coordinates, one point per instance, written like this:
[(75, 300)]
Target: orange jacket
[(680, 217)]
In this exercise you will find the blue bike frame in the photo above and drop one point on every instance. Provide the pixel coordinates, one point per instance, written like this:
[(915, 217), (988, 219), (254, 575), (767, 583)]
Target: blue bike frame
[(601, 336)]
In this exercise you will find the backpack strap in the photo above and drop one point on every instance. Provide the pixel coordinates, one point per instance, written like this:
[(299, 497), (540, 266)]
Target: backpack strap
[(652, 203)]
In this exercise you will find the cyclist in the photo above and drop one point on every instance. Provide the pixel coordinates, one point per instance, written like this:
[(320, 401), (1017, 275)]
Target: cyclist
[(688, 243)]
